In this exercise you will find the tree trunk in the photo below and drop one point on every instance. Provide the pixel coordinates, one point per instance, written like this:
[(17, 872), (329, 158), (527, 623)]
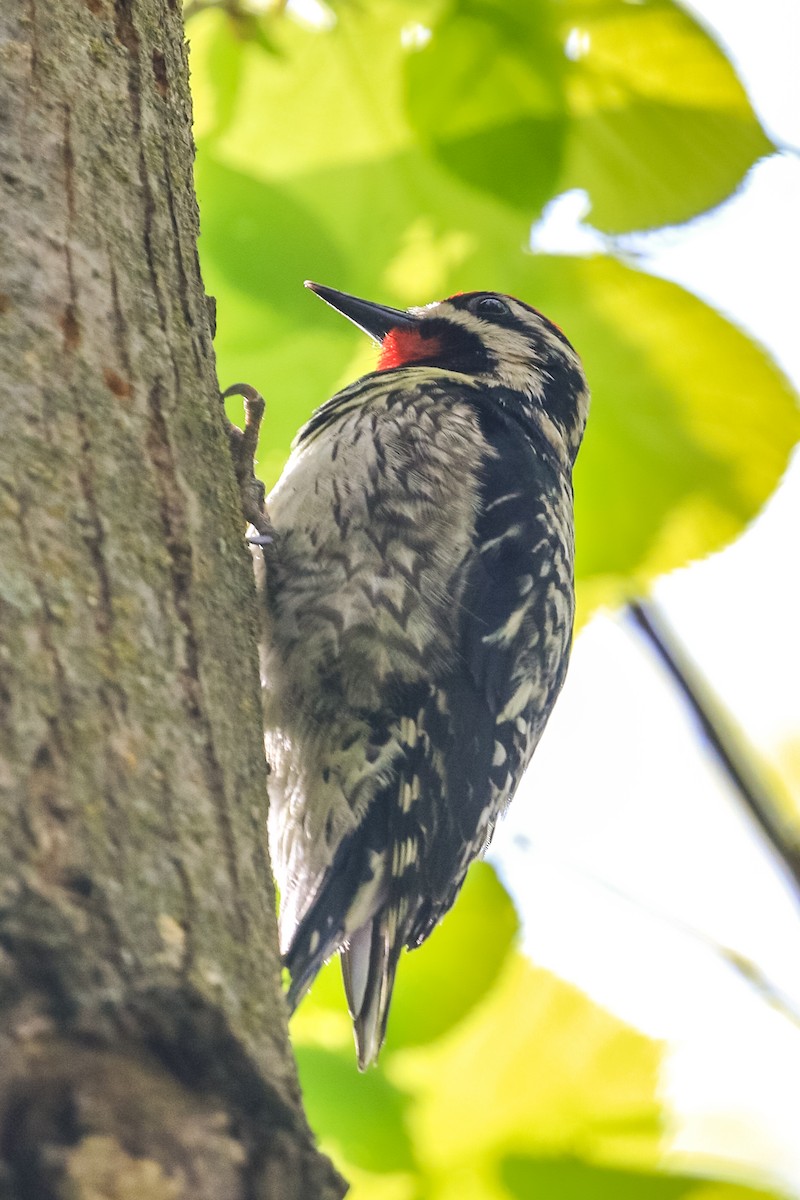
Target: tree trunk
[(143, 1044)]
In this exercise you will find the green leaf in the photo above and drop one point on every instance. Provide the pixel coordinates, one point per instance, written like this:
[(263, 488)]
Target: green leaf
[(571, 1179), (222, 82), (364, 1116), (549, 1063), (660, 127), (634, 102), (485, 94)]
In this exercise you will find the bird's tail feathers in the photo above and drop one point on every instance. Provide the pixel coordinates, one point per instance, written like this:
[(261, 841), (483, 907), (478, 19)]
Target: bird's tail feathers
[(308, 953), (369, 963), (349, 894)]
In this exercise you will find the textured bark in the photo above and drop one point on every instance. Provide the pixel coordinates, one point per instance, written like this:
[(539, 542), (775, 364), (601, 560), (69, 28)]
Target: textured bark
[(143, 1047)]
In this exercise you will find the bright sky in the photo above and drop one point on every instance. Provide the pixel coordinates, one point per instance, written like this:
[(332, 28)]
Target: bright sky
[(632, 861)]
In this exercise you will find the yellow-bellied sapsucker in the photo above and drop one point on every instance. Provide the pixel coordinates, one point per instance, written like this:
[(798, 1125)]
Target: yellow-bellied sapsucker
[(418, 616)]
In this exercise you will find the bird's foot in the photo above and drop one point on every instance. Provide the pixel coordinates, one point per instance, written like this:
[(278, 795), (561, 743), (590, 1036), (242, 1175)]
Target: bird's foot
[(243, 443)]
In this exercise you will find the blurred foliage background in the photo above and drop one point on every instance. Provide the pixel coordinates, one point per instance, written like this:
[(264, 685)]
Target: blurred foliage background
[(402, 150)]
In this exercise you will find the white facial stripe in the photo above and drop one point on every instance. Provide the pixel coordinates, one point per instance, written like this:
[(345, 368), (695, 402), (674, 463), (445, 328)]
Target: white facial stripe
[(504, 342)]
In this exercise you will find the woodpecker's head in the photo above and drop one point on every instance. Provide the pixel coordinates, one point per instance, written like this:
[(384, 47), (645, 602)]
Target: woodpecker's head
[(489, 337)]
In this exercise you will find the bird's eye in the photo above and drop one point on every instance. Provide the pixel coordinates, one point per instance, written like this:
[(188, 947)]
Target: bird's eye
[(490, 306)]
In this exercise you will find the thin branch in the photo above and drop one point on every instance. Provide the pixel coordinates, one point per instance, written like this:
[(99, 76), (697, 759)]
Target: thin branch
[(729, 749)]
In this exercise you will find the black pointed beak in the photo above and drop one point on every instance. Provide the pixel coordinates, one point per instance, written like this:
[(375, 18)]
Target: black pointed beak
[(374, 319)]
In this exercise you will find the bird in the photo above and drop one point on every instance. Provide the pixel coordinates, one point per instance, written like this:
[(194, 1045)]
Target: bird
[(417, 610)]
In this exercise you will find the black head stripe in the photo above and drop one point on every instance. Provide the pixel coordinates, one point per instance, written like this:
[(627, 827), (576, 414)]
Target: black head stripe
[(459, 349), (567, 384)]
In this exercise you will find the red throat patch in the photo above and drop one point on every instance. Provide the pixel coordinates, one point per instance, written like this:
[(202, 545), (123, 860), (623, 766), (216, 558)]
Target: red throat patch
[(403, 346)]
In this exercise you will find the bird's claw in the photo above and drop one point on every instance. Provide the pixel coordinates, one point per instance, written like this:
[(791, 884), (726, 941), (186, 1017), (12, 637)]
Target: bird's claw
[(243, 444)]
